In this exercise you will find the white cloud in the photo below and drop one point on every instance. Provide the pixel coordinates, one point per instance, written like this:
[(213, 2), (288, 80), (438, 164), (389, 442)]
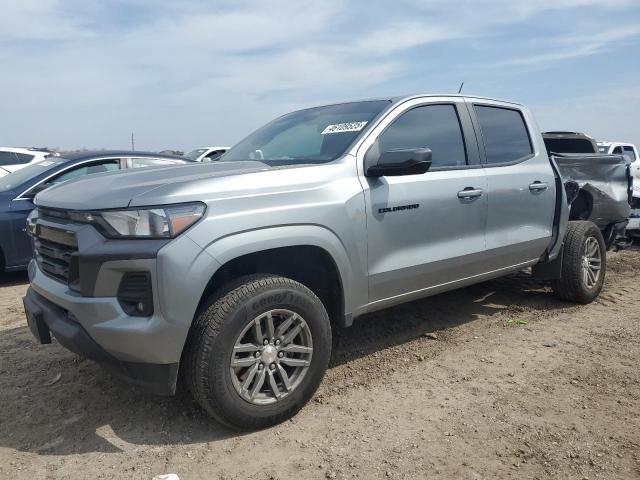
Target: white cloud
[(607, 116), (194, 71), (37, 20), (582, 44)]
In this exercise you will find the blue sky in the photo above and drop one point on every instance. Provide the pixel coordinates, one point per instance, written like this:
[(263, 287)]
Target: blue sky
[(187, 73)]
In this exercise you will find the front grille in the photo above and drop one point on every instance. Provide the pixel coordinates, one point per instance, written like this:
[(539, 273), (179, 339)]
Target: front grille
[(54, 252)]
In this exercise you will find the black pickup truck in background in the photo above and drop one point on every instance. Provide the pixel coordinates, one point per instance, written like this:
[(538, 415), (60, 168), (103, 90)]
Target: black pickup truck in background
[(605, 183)]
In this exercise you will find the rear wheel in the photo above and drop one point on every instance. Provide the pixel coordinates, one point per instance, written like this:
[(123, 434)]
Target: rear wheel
[(583, 264), (258, 351)]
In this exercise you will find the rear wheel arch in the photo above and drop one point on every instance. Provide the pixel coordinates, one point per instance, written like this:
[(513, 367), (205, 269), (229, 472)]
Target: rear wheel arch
[(582, 206)]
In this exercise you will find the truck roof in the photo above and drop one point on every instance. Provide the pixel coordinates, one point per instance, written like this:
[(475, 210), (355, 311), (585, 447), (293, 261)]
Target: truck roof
[(404, 98)]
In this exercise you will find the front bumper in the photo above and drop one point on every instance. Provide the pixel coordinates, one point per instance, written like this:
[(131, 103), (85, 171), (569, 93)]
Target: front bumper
[(87, 318), (45, 318)]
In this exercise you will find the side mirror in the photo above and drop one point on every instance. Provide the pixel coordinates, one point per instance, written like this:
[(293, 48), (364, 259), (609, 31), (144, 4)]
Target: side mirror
[(403, 161)]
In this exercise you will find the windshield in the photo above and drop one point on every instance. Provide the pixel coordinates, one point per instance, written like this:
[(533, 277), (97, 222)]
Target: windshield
[(17, 178), (194, 154), (314, 135)]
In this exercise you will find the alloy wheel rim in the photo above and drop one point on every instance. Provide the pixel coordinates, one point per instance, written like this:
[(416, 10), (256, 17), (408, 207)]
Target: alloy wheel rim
[(271, 356), (591, 262)]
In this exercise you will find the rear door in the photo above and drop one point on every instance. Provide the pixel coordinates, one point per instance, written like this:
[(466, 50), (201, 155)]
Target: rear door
[(425, 230), (521, 185)]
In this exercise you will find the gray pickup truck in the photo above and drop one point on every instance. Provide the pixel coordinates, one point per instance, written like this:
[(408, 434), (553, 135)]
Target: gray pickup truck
[(232, 275)]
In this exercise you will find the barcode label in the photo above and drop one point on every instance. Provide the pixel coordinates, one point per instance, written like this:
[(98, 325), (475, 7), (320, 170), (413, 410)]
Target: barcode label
[(344, 127)]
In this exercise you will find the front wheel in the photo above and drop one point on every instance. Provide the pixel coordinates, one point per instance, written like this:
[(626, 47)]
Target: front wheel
[(258, 351), (584, 263)]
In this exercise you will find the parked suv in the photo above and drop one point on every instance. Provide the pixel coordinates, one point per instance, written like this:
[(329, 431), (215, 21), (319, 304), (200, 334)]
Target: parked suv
[(235, 273)]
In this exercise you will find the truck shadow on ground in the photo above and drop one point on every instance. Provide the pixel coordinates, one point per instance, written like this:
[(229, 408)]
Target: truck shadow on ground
[(55, 403)]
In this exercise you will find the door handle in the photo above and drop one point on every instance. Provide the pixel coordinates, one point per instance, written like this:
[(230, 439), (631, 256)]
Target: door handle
[(470, 192), (538, 186)]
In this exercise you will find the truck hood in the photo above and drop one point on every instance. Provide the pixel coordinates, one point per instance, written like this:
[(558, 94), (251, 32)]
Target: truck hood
[(120, 189)]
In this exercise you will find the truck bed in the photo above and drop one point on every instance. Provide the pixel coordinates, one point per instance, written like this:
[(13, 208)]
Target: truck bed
[(605, 182)]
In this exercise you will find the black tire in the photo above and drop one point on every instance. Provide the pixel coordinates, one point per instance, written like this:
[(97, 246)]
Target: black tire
[(572, 286), (217, 327)]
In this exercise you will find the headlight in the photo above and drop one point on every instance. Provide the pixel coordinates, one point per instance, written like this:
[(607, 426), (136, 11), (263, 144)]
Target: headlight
[(156, 222)]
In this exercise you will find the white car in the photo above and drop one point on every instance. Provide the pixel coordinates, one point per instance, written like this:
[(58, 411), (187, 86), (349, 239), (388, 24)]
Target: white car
[(12, 159), (206, 154), (629, 150), (619, 148)]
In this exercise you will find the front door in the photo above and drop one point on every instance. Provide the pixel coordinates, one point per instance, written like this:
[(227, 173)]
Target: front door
[(426, 230)]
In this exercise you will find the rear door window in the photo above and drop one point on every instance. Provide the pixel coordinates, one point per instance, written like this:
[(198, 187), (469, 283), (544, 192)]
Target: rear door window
[(504, 133), (97, 167), (151, 162)]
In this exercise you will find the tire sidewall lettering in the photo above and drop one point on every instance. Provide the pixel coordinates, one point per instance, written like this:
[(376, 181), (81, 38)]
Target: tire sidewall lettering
[(269, 300)]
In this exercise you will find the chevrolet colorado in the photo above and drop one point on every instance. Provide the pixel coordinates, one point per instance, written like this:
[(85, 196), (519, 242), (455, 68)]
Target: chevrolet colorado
[(233, 274)]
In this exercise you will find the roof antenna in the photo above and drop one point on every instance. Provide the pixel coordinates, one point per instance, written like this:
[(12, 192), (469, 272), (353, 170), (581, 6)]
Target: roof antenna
[(460, 89)]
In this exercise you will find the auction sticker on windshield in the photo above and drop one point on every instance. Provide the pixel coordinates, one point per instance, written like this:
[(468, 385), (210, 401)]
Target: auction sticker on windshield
[(344, 127)]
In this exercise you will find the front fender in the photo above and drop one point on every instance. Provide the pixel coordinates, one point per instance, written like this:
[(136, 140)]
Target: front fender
[(236, 245)]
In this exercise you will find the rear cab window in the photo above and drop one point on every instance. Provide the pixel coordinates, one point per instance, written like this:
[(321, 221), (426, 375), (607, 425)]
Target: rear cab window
[(568, 145), (504, 133)]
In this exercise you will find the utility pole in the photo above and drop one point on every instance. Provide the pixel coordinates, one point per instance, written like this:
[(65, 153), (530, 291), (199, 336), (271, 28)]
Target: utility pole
[(133, 145)]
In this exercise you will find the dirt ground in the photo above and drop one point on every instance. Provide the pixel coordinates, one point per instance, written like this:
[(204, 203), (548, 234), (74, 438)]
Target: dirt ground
[(499, 380)]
